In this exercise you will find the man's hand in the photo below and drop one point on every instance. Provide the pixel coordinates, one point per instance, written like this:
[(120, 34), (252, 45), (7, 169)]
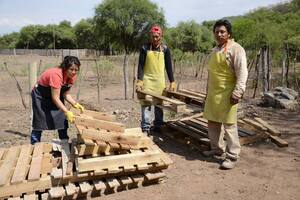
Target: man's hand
[(172, 86), (79, 107), (70, 116), (139, 85), (234, 99)]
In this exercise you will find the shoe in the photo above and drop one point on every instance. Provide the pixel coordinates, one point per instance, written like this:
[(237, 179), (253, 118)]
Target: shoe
[(228, 164)]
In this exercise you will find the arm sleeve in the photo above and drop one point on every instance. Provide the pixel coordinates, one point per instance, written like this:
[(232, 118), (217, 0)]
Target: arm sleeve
[(241, 72), (168, 64), (142, 59)]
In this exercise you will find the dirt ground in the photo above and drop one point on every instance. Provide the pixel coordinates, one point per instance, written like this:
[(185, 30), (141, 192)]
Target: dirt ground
[(264, 171)]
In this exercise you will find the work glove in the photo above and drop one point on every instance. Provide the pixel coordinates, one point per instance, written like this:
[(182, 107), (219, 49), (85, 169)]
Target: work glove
[(172, 86), (139, 85), (79, 107), (70, 116), (234, 99)]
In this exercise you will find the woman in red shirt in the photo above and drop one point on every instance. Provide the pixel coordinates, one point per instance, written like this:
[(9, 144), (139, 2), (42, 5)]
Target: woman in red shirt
[(52, 88)]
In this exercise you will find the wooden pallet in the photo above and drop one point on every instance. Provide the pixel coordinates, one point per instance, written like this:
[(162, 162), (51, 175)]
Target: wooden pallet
[(250, 131), (188, 98), (162, 101), (25, 169), (100, 187)]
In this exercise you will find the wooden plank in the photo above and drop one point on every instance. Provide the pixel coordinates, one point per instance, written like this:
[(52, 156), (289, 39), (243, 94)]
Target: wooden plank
[(8, 164), (94, 115), (65, 155), (278, 141), (255, 124), (71, 158), (187, 98), (270, 128), (113, 162), (46, 164), (155, 175), (135, 141), (22, 166), (191, 92), (100, 124), (26, 187), (35, 168), (57, 192)]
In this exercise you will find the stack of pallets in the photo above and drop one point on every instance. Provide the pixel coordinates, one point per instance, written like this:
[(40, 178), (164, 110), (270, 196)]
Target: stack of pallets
[(193, 130), (106, 158)]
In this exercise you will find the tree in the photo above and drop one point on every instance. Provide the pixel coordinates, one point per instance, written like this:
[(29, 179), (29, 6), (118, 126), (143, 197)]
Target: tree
[(126, 23), (9, 41), (84, 33)]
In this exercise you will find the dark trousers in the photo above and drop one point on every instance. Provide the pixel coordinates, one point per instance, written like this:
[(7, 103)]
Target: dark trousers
[(36, 135)]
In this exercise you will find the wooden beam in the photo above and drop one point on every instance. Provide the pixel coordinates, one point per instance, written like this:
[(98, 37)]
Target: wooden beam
[(94, 115), (270, 128), (100, 124)]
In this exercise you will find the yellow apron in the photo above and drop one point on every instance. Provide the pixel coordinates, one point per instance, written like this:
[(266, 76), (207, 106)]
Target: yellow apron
[(154, 74), (221, 83)]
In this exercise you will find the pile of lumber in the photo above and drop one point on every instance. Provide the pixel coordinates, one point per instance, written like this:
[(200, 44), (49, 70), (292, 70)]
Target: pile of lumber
[(193, 130), (103, 159), (181, 101)]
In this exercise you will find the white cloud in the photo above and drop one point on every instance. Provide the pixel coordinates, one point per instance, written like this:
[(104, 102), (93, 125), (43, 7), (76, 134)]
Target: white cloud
[(15, 22)]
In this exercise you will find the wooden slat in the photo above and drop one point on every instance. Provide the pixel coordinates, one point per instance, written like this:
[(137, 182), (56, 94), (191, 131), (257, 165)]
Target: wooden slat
[(100, 124), (94, 115), (114, 162), (155, 175), (36, 162), (65, 154), (8, 164), (22, 165), (270, 128), (71, 189), (255, 124), (99, 185), (135, 141), (191, 92), (46, 164), (2, 152)]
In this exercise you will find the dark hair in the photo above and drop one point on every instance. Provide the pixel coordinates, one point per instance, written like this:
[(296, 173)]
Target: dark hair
[(69, 61), (223, 22)]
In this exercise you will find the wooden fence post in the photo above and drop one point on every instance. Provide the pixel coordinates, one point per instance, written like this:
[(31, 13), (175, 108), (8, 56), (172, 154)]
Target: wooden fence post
[(32, 77)]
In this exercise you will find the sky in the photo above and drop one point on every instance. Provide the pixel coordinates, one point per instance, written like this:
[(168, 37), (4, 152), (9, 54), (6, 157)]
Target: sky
[(14, 14)]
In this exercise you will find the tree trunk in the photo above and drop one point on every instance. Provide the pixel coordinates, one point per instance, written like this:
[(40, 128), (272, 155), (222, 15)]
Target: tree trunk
[(134, 78), (125, 73), (287, 66), (199, 65), (257, 73), (283, 82), (264, 67)]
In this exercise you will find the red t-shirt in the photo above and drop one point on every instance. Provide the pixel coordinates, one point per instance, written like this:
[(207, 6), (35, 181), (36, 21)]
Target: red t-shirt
[(54, 78)]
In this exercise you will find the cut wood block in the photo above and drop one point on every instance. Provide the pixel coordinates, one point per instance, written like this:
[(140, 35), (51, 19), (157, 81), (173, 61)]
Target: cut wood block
[(155, 175), (137, 180), (99, 185), (56, 173), (30, 197), (100, 124), (117, 161), (15, 198), (270, 128), (22, 164), (125, 180), (71, 189), (112, 183), (45, 196), (85, 187), (57, 192)]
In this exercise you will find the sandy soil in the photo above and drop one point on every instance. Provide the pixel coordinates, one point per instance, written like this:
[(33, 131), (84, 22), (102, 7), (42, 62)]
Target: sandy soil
[(264, 171)]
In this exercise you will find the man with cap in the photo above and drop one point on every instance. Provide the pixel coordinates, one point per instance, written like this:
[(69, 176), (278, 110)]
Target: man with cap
[(154, 60)]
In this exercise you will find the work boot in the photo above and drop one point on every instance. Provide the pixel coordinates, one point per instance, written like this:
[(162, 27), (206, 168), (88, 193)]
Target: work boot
[(228, 163)]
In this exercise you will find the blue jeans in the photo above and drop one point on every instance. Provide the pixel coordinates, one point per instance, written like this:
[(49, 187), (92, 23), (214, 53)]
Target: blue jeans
[(146, 118), (36, 135)]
